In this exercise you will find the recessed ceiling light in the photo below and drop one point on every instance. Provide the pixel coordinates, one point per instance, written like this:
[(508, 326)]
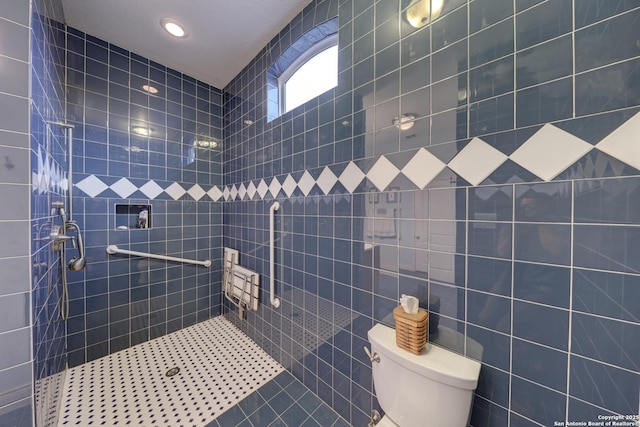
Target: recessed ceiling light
[(150, 89), (173, 27)]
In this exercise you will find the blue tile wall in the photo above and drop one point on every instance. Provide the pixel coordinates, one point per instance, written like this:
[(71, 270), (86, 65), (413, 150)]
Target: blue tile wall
[(32, 343), (48, 168), (118, 302), (536, 273)]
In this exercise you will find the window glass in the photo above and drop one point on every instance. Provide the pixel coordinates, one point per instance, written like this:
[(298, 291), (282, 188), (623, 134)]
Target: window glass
[(314, 77), (306, 68)]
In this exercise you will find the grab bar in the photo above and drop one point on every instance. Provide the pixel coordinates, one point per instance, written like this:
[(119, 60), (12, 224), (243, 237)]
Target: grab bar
[(113, 249), (274, 301)]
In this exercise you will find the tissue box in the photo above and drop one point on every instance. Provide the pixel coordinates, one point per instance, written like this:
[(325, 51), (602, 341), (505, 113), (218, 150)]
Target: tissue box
[(411, 329)]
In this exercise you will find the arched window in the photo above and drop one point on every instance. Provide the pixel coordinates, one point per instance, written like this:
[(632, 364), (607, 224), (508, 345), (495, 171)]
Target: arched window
[(313, 74), (308, 68)]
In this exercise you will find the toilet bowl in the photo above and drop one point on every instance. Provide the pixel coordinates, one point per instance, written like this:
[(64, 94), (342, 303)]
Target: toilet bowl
[(433, 388)]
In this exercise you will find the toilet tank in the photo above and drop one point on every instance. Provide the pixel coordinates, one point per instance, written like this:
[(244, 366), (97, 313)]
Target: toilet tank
[(433, 388)]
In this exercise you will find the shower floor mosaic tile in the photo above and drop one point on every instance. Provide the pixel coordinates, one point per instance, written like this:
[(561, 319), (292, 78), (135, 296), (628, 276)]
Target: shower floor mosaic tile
[(218, 367)]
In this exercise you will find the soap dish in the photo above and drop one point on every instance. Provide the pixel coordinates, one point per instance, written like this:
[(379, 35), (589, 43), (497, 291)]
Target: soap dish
[(411, 329)]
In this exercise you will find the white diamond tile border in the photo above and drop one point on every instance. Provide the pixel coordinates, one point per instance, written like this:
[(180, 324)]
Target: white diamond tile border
[(92, 186), (275, 187), (382, 173), (196, 192), (306, 183), (215, 194), (175, 190), (289, 185), (423, 168), (219, 366), (550, 151), (262, 188), (251, 190), (123, 188), (326, 180), (624, 143), (477, 161), (351, 177), (151, 190)]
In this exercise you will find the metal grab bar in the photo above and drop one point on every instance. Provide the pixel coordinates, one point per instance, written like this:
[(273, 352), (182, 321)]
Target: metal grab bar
[(113, 249), (274, 301)]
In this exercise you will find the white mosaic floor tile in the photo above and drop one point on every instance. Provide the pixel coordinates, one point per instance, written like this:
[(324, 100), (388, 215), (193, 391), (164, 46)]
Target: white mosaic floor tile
[(219, 366)]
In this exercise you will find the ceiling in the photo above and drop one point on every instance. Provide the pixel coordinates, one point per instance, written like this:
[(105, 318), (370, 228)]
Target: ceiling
[(223, 35)]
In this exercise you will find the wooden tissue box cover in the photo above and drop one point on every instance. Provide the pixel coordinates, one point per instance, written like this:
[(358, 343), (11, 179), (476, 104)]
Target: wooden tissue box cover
[(411, 329)]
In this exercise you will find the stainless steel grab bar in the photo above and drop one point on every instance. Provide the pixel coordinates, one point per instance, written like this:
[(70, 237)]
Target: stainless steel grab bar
[(113, 249)]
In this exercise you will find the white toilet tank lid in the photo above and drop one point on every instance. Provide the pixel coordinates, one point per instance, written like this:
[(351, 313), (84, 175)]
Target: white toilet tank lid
[(433, 362)]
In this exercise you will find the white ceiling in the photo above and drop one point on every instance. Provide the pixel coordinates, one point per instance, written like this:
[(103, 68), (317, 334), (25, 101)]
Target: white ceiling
[(223, 35)]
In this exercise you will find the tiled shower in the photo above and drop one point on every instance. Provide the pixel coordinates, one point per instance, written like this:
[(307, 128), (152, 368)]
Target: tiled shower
[(510, 207)]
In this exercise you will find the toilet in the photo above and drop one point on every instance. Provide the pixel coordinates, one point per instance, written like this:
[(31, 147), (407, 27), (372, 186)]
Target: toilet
[(433, 388)]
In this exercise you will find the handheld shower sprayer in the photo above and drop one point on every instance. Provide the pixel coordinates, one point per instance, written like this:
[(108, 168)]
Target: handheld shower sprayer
[(79, 262)]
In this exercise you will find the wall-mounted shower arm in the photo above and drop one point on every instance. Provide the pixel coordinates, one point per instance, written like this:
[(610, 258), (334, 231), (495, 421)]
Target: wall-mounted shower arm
[(113, 249)]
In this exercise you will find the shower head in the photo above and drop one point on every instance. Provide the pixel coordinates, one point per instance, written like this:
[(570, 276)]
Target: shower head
[(77, 264)]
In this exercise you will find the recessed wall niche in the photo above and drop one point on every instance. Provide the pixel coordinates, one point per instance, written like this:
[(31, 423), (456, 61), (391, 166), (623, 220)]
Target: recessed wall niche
[(131, 217)]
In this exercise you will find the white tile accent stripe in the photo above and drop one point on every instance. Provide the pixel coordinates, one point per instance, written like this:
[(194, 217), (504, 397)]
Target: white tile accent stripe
[(123, 188), (382, 173), (477, 161), (548, 153), (219, 366), (423, 168), (624, 142)]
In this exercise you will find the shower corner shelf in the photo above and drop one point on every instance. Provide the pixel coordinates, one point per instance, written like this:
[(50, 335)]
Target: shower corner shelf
[(240, 286)]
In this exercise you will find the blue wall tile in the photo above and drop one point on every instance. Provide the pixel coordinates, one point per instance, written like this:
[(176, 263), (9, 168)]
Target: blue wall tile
[(491, 43), (545, 103), (611, 295), (492, 79), (484, 13), (611, 248), (543, 22), (537, 403), (540, 364), (604, 385), (535, 322), (485, 414), (496, 349), (605, 340), (594, 96), (544, 62), (489, 311), (611, 202), (544, 243), (543, 284), (589, 11), (607, 42), (449, 29)]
